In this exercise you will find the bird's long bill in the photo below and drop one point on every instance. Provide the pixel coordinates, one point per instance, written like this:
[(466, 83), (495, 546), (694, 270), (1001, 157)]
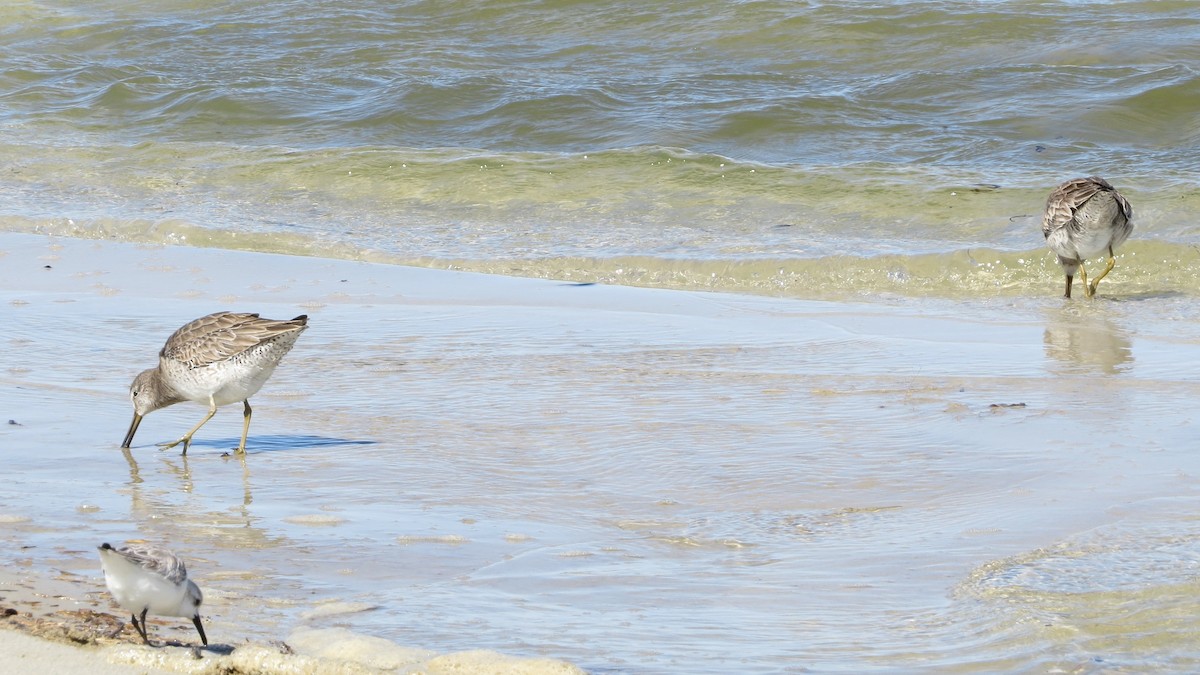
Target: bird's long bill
[(137, 419), (200, 629)]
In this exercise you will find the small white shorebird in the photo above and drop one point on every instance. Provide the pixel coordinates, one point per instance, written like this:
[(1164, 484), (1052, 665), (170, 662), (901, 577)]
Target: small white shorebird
[(1085, 217), (217, 359), (150, 580)]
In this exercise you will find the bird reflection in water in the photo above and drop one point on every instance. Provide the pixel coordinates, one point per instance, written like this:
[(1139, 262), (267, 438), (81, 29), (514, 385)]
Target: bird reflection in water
[(1082, 340)]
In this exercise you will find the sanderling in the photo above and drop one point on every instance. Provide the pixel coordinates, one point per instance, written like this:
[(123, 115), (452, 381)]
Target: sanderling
[(147, 579)]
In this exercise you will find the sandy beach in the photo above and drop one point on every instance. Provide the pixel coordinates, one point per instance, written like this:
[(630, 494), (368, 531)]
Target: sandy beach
[(453, 467), (66, 623)]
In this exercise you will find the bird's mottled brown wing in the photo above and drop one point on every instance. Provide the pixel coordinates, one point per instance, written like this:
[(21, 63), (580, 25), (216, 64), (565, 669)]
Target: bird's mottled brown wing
[(154, 559), (1066, 199), (223, 335)]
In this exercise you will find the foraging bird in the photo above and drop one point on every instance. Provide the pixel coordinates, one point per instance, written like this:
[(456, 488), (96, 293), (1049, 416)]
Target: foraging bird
[(217, 359), (146, 579), (1085, 217)]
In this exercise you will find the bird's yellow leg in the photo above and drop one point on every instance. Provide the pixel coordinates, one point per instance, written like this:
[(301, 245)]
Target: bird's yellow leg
[(241, 449), (1107, 268), (186, 439), (1087, 290)]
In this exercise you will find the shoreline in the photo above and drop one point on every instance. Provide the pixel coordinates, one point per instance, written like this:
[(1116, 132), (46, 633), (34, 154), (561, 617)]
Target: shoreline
[(62, 625), (963, 272), (57, 624)]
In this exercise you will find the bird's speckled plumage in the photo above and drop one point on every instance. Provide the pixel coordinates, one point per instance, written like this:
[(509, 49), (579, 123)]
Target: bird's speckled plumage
[(223, 336), (1085, 217), (215, 360)]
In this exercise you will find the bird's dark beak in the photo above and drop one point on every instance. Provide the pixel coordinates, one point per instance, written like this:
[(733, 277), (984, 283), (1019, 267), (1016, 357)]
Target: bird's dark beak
[(200, 628), (137, 419)]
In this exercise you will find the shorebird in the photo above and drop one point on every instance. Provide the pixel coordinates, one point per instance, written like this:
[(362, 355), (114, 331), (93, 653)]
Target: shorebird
[(217, 359), (146, 579), (1085, 217)]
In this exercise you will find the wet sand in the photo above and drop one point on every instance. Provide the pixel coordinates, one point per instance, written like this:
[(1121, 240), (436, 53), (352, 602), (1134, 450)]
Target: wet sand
[(65, 624), (62, 619), (626, 479)]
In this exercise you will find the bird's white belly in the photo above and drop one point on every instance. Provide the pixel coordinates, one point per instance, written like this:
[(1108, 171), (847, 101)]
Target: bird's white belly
[(136, 590), (1081, 245), (229, 381), (1091, 243)]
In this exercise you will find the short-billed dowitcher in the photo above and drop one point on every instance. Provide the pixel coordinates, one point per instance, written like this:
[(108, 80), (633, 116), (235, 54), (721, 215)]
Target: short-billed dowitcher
[(1085, 217), (150, 580), (217, 359)]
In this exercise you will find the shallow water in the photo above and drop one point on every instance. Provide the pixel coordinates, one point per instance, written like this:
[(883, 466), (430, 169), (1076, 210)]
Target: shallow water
[(632, 480)]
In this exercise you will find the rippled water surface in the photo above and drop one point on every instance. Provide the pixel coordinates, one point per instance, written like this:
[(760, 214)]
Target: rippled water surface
[(619, 142)]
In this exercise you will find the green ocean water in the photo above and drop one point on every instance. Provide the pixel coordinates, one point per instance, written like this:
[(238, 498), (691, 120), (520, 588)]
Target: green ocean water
[(690, 141)]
